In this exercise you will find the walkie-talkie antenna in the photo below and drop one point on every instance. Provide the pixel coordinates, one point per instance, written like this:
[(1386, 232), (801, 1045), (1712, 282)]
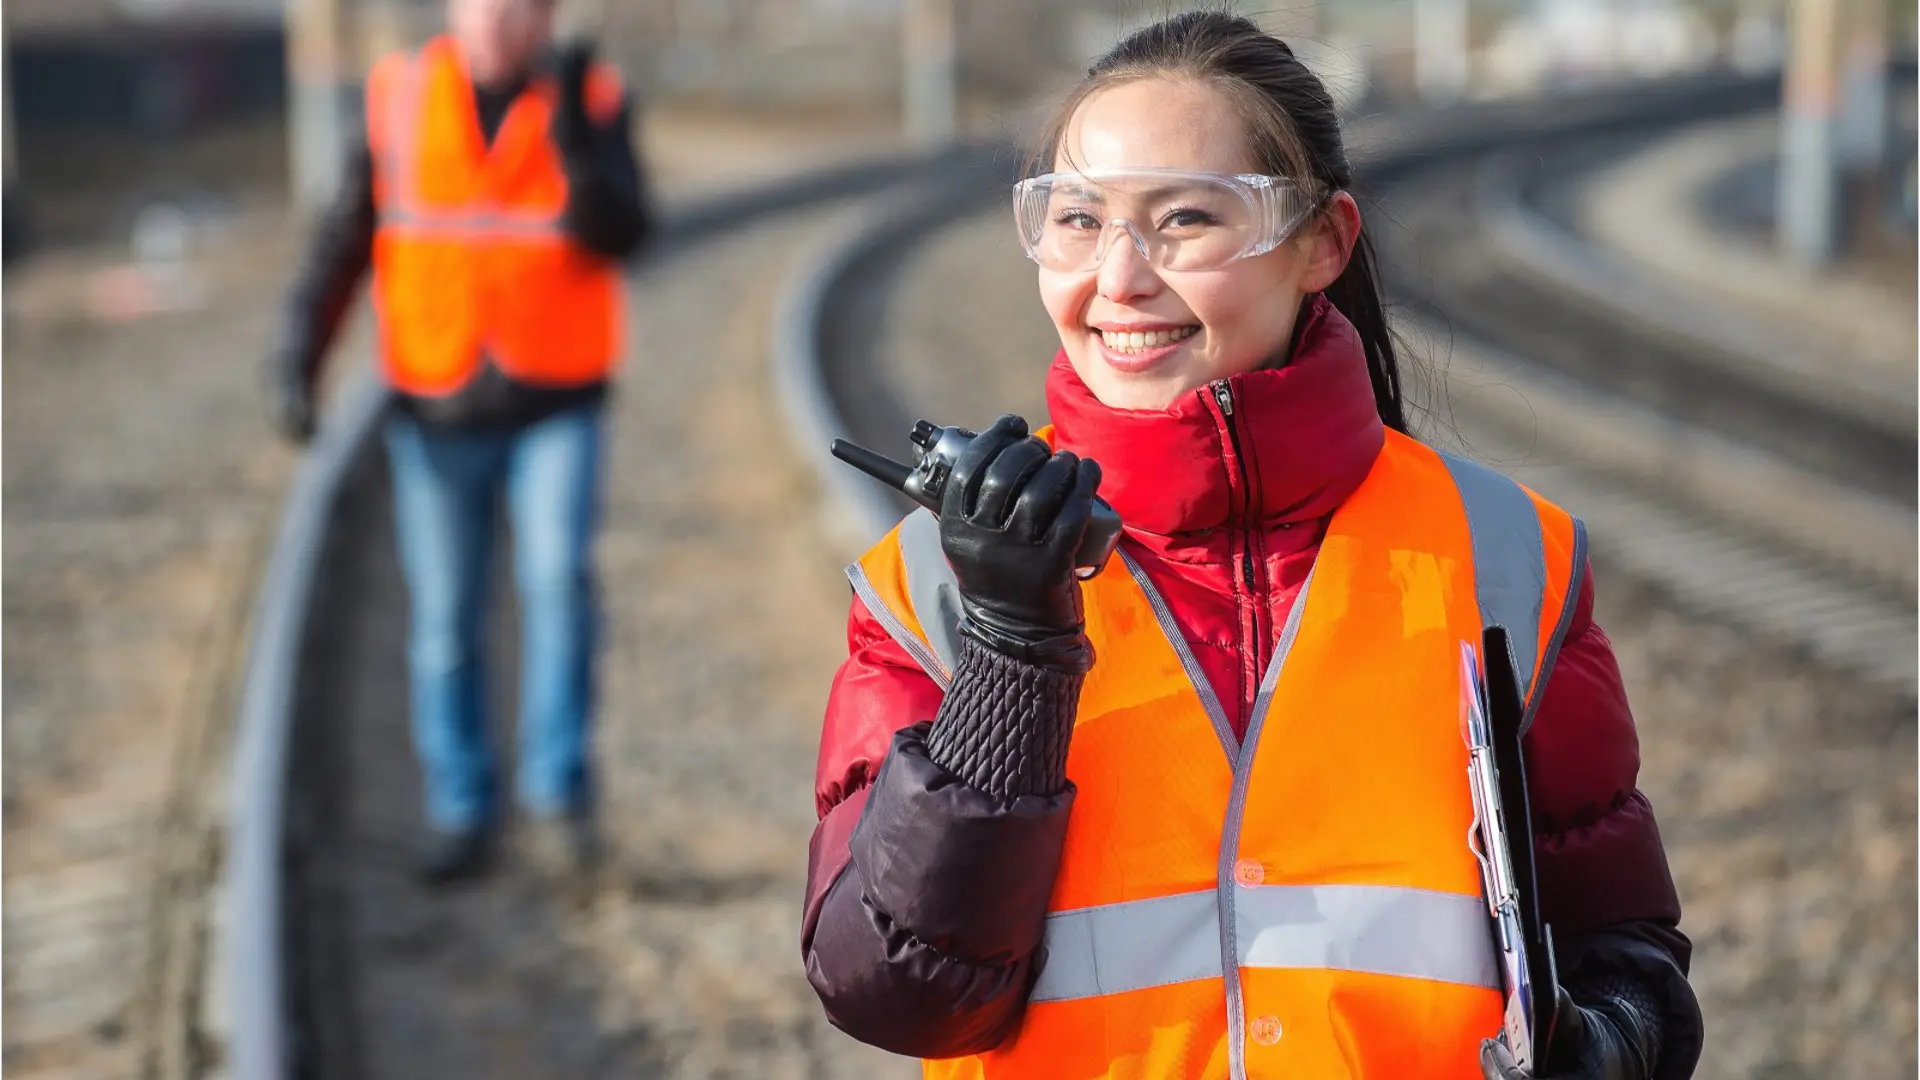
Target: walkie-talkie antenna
[(879, 466)]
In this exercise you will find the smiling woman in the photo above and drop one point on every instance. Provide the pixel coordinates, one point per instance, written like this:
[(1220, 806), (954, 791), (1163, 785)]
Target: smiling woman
[(1233, 117), (1205, 813), (1147, 157)]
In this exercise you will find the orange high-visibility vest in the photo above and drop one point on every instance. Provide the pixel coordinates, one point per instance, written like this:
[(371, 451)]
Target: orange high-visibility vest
[(469, 253), (1303, 904)]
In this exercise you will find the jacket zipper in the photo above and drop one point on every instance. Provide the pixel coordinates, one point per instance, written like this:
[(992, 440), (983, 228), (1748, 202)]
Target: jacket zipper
[(1241, 539)]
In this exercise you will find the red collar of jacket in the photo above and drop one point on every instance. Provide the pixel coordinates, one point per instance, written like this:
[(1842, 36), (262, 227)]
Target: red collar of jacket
[(1300, 438)]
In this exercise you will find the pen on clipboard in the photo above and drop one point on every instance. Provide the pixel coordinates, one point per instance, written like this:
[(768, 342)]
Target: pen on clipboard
[(1502, 841)]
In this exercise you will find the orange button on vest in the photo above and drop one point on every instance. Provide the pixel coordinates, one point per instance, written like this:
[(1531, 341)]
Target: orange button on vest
[(1305, 904), (469, 254)]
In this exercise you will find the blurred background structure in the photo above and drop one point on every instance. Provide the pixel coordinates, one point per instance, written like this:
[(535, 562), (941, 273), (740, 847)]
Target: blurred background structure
[(116, 104), (1690, 313)]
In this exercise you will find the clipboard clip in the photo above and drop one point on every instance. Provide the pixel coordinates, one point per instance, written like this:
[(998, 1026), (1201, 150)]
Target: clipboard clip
[(1501, 840)]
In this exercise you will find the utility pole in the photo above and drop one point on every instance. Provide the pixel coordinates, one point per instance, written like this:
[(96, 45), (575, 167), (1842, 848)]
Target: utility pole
[(1440, 49), (1862, 131), (316, 127), (1808, 210), (11, 149), (929, 74), (15, 210)]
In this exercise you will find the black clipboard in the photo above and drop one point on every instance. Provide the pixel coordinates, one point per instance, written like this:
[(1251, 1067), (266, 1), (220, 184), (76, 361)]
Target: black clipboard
[(1506, 711)]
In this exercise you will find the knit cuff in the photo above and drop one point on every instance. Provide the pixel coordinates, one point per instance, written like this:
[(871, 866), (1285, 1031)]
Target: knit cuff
[(1005, 725)]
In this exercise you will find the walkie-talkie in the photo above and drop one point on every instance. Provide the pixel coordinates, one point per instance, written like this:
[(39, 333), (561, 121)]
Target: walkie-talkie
[(936, 449)]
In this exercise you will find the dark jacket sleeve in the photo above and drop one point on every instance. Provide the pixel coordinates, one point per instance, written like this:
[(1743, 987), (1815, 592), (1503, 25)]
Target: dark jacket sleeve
[(1605, 886), (926, 896), (608, 211), (324, 289)]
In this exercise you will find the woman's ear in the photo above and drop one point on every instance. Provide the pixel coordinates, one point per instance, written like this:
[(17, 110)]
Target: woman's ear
[(1335, 230)]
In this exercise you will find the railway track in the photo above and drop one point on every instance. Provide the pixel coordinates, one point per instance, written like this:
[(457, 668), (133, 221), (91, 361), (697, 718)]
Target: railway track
[(362, 972), (1756, 492), (382, 979)]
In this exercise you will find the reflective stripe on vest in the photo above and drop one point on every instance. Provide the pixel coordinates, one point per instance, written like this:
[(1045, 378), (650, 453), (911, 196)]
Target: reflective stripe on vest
[(1384, 930), (1331, 863)]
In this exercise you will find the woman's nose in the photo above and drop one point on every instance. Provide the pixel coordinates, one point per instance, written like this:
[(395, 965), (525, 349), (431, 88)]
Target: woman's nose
[(1121, 231), (1125, 269)]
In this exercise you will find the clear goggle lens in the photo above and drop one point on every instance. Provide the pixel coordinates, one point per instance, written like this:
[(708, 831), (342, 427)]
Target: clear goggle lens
[(1177, 220)]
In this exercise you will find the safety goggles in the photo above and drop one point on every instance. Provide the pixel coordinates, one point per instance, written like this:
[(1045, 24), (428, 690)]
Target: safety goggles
[(1177, 220)]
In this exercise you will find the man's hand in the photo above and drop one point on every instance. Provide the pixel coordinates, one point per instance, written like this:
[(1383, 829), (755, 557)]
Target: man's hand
[(290, 399), (571, 126), (1011, 519)]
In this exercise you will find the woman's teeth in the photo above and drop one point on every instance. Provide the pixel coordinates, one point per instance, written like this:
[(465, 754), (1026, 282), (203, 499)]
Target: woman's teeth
[(1136, 341)]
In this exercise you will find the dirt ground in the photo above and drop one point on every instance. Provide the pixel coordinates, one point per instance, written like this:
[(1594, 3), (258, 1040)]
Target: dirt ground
[(142, 490), (140, 494), (722, 615)]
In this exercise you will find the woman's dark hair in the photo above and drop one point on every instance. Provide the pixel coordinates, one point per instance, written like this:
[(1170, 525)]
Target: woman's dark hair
[(1293, 130)]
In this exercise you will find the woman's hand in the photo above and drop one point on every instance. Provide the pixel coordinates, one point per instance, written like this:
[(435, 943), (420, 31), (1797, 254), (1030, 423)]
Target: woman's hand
[(1011, 520), (1612, 1041)]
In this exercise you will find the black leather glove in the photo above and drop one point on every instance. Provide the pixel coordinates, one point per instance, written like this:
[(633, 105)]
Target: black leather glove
[(290, 399), (572, 129), (1617, 1038), (1011, 518)]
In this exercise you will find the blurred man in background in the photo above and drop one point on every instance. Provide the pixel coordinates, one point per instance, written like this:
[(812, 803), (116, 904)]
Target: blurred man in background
[(492, 196)]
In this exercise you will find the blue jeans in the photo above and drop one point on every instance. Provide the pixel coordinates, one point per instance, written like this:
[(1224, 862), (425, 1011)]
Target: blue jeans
[(447, 488)]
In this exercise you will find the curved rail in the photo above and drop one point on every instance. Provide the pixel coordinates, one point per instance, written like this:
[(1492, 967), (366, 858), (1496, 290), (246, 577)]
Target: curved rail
[(857, 512), (1702, 469), (1869, 425), (248, 992), (1723, 343), (247, 965)]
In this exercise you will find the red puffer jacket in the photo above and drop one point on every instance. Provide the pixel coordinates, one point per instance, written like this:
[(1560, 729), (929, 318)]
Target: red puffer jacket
[(1226, 515)]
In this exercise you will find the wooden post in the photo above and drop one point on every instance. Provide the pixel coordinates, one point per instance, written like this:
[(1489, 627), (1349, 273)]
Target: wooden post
[(316, 127), (1808, 209), (13, 208), (1862, 130), (928, 72), (11, 150), (1440, 49)]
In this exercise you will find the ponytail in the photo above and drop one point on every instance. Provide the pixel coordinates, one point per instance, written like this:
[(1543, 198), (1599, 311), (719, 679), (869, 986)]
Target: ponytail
[(1356, 294)]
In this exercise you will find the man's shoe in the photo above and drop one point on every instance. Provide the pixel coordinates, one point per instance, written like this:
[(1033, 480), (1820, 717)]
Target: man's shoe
[(564, 847), (457, 855)]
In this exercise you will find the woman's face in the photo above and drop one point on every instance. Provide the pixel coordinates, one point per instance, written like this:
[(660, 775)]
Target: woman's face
[(1217, 322)]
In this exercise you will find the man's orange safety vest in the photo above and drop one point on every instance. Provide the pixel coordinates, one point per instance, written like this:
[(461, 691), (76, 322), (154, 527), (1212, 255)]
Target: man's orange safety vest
[(469, 253), (1303, 904)]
